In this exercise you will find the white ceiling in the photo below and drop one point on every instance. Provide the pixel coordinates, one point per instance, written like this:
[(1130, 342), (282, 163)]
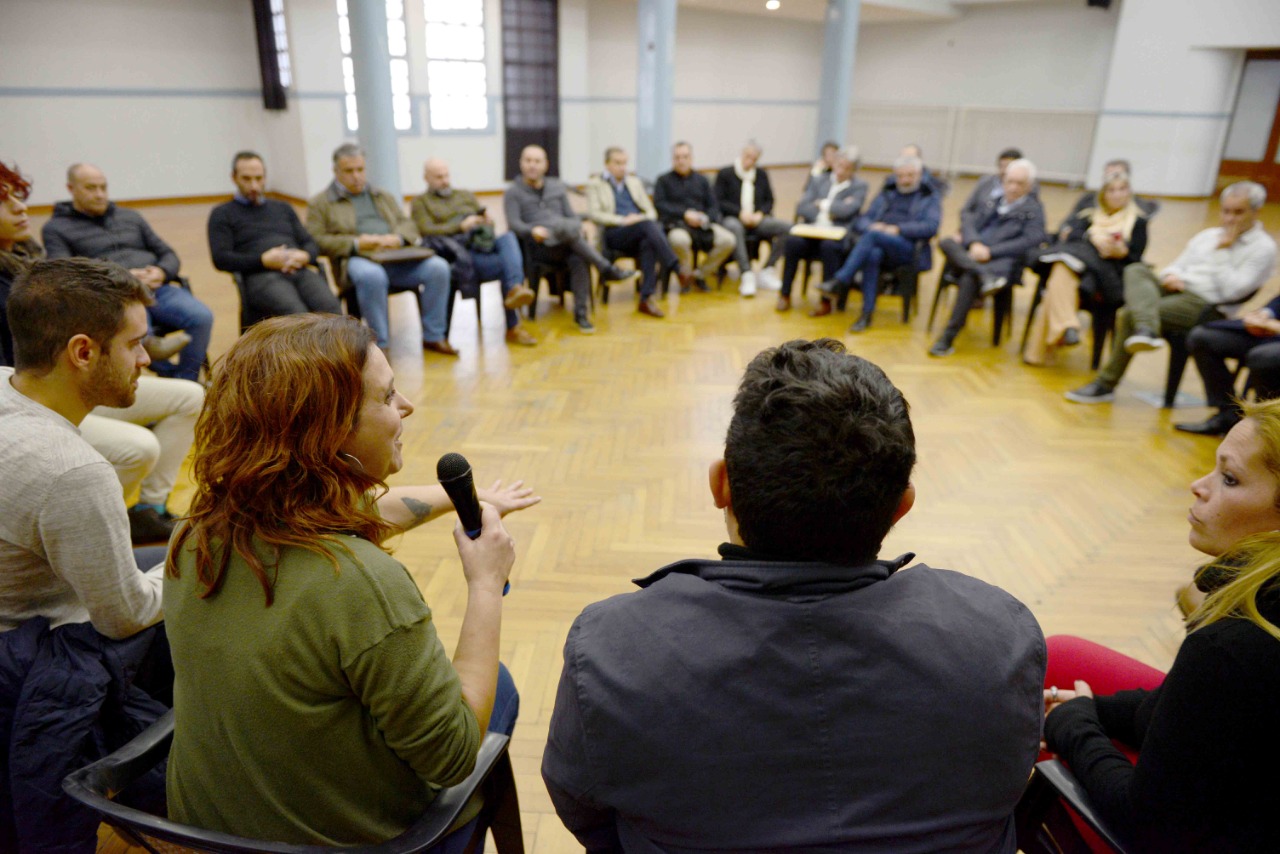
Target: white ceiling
[(873, 11)]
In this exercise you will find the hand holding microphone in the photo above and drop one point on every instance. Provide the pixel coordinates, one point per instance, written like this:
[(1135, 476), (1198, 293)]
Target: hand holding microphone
[(486, 549)]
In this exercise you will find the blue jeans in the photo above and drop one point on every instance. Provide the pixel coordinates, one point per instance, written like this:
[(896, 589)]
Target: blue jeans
[(506, 707), (176, 308), (506, 264), (374, 281), (873, 249)]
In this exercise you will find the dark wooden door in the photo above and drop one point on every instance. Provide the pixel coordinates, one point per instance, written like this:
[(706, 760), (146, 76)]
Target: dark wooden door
[(1265, 169)]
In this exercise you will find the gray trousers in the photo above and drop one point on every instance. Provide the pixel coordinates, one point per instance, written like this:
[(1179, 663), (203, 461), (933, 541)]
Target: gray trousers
[(770, 230)]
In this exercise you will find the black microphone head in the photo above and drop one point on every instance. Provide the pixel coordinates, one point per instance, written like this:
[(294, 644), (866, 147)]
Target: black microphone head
[(452, 467)]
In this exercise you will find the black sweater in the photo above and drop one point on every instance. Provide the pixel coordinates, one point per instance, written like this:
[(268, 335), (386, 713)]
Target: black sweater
[(674, 194), (239, 234), (1206, 774), (729, 192)]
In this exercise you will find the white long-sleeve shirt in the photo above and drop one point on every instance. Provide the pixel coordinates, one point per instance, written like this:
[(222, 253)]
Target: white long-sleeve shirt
[(1226, 277), (64, 532)]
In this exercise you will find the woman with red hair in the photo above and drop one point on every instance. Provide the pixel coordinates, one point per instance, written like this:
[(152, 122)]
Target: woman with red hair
[(313, 701), (17, 248)]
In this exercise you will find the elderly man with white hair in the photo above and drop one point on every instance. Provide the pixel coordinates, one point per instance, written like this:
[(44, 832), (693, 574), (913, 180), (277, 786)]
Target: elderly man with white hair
[(746, 200), (995, 235), (1218, 271)]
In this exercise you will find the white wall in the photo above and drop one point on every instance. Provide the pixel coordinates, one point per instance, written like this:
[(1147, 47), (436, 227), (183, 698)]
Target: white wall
[(738, 77), (157, 93), (1175, 71), (741, 76)]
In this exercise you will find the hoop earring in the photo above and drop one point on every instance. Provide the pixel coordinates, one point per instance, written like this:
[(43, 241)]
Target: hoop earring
[(354, 459)]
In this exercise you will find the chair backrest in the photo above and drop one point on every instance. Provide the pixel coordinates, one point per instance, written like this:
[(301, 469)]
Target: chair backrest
[(97, 786), (1051, 786)]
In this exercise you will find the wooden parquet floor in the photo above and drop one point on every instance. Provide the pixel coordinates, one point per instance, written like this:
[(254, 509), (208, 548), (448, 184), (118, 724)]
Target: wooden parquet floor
[(1077, 510)]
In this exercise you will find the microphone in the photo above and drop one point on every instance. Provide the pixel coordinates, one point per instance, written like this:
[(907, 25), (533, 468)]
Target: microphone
[(454, 473)]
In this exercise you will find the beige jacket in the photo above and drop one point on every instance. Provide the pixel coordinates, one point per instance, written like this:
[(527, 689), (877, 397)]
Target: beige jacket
[(601, 206)]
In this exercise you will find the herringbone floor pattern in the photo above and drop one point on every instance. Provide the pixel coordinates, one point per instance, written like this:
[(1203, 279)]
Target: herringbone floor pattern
[(1079, 511)]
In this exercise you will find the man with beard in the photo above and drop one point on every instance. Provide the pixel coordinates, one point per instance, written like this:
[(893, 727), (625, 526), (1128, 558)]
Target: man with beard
[(264, 241), (78, 327)]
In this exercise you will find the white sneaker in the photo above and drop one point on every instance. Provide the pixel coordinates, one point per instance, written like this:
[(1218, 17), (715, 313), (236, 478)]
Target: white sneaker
[(747, 285), (769, 280)]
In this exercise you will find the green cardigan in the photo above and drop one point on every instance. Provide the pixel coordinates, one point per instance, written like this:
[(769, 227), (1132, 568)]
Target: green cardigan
[(330, 717)]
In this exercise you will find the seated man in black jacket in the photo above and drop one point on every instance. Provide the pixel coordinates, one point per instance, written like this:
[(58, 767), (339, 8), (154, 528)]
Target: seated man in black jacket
[(264, 241), (746, 200), (91, 226), (993, 246), (690, 214), (1253, 340), (774, 700)]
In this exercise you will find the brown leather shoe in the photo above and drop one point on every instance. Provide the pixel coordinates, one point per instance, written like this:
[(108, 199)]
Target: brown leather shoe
[(784, 304), (518, 297), (822, 309), (519, 335), (650, 307), (441, 347)]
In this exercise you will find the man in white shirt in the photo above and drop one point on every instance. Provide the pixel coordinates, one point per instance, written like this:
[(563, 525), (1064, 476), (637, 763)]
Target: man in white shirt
[(78, 327), (1218, 271)]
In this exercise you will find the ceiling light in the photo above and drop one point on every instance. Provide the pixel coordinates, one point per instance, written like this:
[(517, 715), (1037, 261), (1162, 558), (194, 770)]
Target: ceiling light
[(773, 5)]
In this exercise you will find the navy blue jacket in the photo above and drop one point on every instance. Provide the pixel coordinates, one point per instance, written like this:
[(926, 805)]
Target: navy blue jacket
[(68, 697), (926, 216)]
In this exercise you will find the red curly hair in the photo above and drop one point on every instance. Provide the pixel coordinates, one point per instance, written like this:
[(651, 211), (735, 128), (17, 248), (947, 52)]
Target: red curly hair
[(13, 184), (283, 400)]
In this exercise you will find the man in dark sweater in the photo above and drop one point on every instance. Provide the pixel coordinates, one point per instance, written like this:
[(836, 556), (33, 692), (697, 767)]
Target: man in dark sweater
[(264, 241), (801, 693), (689, 212), (90, 225)]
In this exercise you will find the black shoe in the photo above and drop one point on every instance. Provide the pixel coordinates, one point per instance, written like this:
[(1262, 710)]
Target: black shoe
[(1095, 392), (831, 287), (861, 324), (585, 326), (614, 273), (146, 525), (1218, 424)]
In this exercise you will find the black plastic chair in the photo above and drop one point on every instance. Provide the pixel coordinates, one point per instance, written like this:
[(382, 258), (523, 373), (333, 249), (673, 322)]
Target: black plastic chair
[(1043, 825), (1102, 318), (1002, 301), (97, 785), (540, 268), (248, 314)]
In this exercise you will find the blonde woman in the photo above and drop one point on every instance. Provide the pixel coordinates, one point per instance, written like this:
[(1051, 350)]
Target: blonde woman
[(1101, 240), (1203, 735)]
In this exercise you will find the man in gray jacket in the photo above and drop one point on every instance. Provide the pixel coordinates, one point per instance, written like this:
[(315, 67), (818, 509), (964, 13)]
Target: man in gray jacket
[(801, 693), (538, 210)]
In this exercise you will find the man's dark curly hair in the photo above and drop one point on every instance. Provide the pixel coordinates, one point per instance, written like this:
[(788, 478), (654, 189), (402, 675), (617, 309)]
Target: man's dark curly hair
[(819, 453)]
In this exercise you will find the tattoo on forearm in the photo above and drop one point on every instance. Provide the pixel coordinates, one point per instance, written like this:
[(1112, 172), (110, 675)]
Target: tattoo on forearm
[(420, 509)]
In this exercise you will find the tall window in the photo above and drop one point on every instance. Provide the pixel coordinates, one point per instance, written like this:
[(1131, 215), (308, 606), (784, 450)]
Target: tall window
[(456, 82), (398, 48), (282, 43)]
